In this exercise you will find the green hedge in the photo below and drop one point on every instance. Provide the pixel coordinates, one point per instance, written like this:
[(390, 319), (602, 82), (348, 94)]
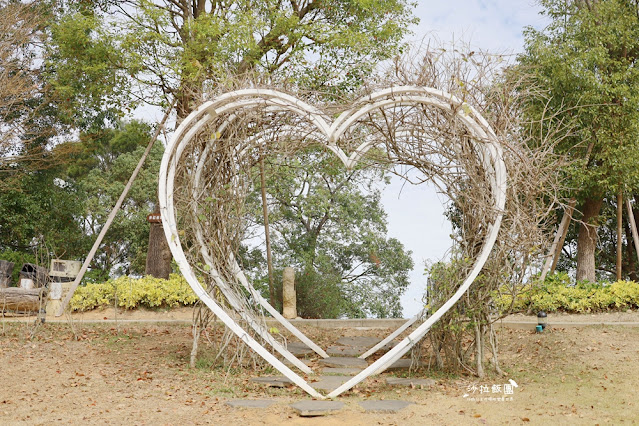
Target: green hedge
[(556, 295), (148, 292)]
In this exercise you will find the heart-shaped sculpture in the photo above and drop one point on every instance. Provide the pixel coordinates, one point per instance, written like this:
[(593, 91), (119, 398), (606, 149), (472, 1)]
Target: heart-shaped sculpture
[(229, 105)]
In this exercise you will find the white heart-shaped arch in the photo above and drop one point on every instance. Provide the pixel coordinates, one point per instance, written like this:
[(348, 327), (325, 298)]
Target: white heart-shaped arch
[(490, 156)]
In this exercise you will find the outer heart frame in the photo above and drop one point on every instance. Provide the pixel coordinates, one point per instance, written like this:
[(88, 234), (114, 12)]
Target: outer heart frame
[(490, 156)]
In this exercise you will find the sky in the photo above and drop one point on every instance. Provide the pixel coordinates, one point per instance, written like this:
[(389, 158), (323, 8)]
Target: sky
[(415, 213)]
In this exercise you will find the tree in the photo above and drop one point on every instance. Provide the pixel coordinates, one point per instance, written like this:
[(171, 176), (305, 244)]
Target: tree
[(38, 214), (606, 243), (329, 224), (28, 120), (586, 60), (99, 169), (18, 84), (37, 210), (138, 51)]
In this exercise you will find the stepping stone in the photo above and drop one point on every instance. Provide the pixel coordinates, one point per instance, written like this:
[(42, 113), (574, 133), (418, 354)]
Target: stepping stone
[(345, 350), (359, 341), (306, 362), (424, 383), (336, 361), (250, 403), (330, 383), (273, 381), (316, 408), (384, 406), (344, 371), (365, 342), (402, 364), (299, 348)]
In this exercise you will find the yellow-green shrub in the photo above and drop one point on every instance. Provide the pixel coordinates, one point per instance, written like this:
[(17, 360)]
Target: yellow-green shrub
[(556, 295), (130, 293)]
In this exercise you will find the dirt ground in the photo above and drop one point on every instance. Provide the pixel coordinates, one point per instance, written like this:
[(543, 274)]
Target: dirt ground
[(186, 314), (138, 374)]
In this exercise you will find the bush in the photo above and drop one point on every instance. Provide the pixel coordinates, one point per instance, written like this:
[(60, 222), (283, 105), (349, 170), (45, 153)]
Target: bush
[(131, 293), (318, 294), (556, 295)]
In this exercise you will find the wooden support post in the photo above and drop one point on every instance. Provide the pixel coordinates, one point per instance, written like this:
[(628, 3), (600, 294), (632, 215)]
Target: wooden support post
[(115, 210), (558, 243), (633, 226), (619, 234)]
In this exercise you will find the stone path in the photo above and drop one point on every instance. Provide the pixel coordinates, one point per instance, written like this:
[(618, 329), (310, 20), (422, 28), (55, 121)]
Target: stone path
[(336, 371), (336, 361), (316, 408), (360, 341), (365, 342), (299, 349), (345, 350), (330, 383), (342, 371), (401, 364)]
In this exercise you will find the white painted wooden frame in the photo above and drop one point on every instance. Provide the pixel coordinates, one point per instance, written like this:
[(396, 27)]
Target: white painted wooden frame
[(239, 275), (490, 157)]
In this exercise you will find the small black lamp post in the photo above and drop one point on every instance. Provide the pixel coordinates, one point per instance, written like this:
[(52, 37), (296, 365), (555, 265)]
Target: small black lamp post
[(541, 320)]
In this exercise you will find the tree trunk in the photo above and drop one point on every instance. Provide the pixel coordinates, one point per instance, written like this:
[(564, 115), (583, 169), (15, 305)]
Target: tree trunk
[(158, 256), (587, 240), (20, 299)]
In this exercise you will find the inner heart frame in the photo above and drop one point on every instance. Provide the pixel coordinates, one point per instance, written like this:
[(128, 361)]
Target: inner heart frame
[(204, 179)]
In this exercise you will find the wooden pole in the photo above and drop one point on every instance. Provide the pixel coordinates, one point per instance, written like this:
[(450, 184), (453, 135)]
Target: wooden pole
[(558, 243), (633, 226), (269, 258), (115, 210), (563, 235), (619, 234)]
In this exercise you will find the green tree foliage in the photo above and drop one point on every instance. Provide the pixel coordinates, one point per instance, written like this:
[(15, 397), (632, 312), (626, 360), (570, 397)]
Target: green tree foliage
[(82, 66), (102, 58), (27, 118), (37, 214), (585, 63), (58, 211), (37, 208), (107, 56), (99, 169), (329, 224), (154, 50)]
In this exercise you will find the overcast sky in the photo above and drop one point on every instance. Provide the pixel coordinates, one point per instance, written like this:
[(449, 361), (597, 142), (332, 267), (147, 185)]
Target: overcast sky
[(415, 213)]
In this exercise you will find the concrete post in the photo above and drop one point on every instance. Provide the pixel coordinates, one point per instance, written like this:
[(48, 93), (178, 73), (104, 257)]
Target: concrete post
[(289, 309)]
